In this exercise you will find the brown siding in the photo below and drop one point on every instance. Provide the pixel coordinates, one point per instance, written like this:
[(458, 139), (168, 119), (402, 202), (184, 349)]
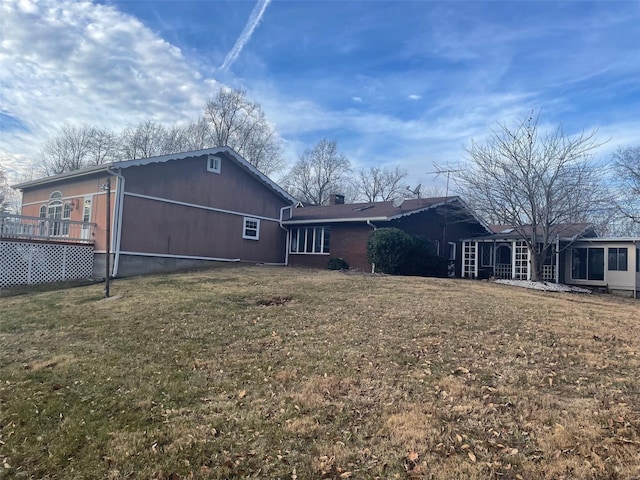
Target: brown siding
[(162, 228), (188, 181), (151, 226)]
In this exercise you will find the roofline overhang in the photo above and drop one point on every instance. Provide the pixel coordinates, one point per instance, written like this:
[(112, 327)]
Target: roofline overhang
[(336, 220), (63, 176), (387, 218), (161, 159)]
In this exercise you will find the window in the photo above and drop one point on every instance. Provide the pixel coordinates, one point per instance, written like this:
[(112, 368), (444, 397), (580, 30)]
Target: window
[(54, 211), (213, 164), (310, 240), (43, 211), (587, 264), (452, 251), (486, 254), (618, 259), (66, 215), (637, 259), (251, 228)]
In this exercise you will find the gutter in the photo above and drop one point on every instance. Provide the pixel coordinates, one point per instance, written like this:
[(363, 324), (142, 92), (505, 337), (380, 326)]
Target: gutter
[(288, 242), (373, 265), (117, 220)]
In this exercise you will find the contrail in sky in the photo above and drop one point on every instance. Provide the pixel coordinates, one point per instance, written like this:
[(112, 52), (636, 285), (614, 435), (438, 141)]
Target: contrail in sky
[(245, 36)]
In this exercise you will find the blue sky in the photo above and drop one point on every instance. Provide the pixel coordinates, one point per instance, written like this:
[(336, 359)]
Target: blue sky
[(395, 83)]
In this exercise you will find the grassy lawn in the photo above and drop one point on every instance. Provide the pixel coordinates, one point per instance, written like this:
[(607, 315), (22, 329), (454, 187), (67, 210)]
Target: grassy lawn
[(289, 373)]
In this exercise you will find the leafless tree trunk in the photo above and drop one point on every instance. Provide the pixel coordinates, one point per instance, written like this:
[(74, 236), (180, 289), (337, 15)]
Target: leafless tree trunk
[(318, 173), (381, 184), (103, 147), (4, 191), (240, 124), (68, 150), (533, 182), (627, 174), (144, 140)]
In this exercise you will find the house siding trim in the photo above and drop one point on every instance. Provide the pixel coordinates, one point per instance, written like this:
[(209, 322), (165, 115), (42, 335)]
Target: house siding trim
[(186, 257), (69, 197), (202, 207)]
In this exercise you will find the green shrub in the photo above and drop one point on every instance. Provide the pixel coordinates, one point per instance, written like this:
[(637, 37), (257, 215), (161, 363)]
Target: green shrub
[(388, 249), (422, 260), (337, 264), (396, 252)]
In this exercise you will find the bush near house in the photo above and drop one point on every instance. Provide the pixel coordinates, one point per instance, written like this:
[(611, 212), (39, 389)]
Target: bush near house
[(337, 264), (397, 253)]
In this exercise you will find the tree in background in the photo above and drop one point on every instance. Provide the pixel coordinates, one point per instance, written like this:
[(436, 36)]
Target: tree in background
[(4, 191), (236, 122), (626, 163), (229, 119), (380, 184), (319, 172), (533, 182)]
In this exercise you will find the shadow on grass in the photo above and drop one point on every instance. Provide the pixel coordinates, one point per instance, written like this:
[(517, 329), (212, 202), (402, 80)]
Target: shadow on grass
[(46, 287)]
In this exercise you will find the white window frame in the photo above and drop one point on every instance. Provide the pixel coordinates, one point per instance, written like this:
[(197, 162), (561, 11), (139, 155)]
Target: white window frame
[(214, 164), (309, 234), (246, 228), (452, 250)]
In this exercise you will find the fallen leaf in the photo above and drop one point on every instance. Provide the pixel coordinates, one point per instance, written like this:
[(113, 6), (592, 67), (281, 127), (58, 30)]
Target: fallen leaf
[(242, 393), (472, 456), (413, 456)]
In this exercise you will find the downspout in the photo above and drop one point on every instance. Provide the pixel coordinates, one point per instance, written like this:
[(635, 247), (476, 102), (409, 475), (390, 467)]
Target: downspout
[(288, 241), (558, 259), (373, 265), (119, 206), (635, 289)]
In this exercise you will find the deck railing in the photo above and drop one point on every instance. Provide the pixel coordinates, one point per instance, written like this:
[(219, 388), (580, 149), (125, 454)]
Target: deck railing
[(52, 229)]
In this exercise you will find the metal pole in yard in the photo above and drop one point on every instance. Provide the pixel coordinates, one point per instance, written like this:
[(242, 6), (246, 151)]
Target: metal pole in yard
[(107, 187)]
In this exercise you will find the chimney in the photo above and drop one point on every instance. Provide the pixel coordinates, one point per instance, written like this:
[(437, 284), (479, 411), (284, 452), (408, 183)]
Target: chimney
[(336, 199)]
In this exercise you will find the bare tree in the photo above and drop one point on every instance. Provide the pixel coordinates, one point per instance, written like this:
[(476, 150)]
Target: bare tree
[(144, 140), (4, 191), (381, 184), (198, 135), (533, 182), (626, 163), (103, 147), (67, 151), (319, 172), (236, 122)]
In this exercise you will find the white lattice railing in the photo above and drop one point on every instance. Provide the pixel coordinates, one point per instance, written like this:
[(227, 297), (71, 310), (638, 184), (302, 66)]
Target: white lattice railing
[(24, 263), (37, 228)]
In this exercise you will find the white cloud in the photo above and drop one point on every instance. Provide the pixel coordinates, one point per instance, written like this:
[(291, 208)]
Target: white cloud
[(357, 99), (414, 97), (63, 61)]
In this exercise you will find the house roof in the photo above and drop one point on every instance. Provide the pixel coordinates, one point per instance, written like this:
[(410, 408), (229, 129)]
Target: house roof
[(564, 231), (363, 212), (110, 167)]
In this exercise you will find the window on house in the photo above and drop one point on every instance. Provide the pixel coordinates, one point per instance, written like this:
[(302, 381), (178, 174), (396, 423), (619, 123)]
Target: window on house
[(637, 259), (54, 211), (452, 251), (618, 259), (486, 254), (43, 211), (66, 215), (213, 164), (310, 240), (251, 228), (587, 264)]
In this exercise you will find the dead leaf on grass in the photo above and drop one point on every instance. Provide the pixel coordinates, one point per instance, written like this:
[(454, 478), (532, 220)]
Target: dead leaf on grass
[(472, 457)]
